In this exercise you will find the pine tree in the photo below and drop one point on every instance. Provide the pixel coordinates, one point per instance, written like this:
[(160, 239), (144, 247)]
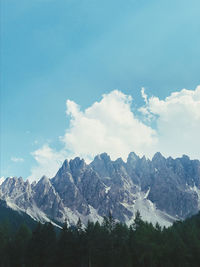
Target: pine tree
[(20, 243), (5, 234)]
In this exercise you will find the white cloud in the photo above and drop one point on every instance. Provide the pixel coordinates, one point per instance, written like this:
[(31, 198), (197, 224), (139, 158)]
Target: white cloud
[(178, 122), (111, 126), (15, 159), (107, 126), (48, 162), (144, 95)]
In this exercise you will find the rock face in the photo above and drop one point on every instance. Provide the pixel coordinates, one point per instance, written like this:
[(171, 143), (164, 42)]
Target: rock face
[(162, 190)]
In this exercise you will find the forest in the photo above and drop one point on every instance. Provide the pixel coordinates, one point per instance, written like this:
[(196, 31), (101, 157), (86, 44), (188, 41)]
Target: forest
[(109, 244)]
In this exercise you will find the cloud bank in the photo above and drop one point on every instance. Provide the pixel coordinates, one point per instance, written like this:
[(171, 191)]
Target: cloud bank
[(178, 122), (108, 125), (111, 126)]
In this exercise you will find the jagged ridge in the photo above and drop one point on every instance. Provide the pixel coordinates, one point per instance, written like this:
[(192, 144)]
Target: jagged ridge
[(161, 189)]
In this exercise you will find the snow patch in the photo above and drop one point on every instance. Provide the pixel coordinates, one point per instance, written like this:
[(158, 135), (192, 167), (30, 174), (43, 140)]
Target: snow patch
[(13, 206), (107, 189), (147, 193), (148, 211), (196, 190), (73, 216), (2, 179), (94, 216), (35, 213)]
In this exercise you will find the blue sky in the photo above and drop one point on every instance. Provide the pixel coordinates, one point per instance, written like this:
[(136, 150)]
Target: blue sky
[(52, 51)]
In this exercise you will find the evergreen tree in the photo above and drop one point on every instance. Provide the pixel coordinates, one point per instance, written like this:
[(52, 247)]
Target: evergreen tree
[(18, 247), (121, 253), (5, 236), (110, 244), (42, 246)]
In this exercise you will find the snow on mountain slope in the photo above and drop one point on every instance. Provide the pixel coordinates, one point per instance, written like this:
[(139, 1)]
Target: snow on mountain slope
[(195, 189), (2, 179), (163, 190), (148, 211)]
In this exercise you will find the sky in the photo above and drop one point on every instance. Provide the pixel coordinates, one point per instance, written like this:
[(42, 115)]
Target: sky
[(79, 78)]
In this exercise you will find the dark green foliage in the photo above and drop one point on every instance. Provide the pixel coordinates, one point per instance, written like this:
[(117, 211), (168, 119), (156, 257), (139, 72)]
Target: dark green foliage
[(110, 244), (4, 243), (18, 248), (15, 218), (41, 250)]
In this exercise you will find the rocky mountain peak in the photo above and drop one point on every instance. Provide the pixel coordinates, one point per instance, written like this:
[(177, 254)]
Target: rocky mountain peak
[(12, 182), (76, 164), (161, 189), (44, 180), (103, 165), (77, 167), (158, 156), (159, 160), (103, 157), (185, 157), (43, 185), (119, 161), (132, 157), (65, 166)]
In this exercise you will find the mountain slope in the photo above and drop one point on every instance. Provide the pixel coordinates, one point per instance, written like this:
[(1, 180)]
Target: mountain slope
[(15, 218), (161, 189)]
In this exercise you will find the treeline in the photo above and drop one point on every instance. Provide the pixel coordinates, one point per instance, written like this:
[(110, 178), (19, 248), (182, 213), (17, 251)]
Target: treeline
[(110, 244)]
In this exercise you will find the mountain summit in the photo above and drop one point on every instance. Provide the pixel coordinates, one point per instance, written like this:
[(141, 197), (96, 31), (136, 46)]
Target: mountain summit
[(162, 189)]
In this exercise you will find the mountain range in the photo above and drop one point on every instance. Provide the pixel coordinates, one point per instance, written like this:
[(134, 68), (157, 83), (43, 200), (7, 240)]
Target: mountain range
[(162, 190)]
